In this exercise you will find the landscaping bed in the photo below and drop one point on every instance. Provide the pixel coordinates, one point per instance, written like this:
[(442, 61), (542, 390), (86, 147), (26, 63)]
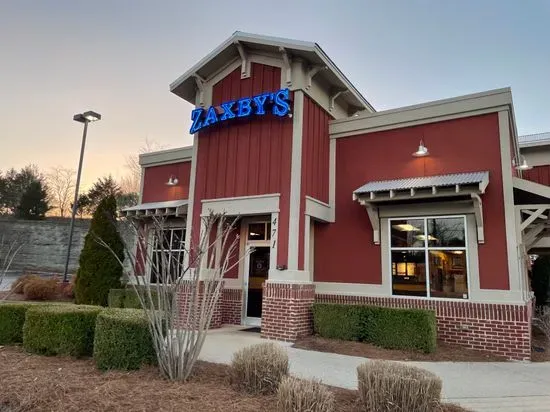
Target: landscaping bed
[(444, 351), (34, 383)]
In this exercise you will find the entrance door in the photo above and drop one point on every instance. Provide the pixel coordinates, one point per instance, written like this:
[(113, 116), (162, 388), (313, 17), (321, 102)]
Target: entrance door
[(257, 272)]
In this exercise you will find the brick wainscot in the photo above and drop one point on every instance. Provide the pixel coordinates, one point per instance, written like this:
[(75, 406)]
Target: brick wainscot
[(286, 310), (498, 328)]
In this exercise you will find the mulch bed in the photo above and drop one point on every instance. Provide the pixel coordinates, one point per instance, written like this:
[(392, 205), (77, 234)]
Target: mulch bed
[(39, 383), (444, 352), (541, 347)]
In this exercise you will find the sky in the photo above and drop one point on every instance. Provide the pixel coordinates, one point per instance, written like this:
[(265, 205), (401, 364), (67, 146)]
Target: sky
[(118, 57)]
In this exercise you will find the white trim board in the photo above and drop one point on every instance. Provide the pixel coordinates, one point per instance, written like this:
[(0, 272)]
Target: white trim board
[(462, 106), (241, 206), (163, 157)]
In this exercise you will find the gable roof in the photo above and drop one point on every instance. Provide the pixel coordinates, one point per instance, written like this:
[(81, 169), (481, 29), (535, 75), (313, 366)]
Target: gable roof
[(184, 86)]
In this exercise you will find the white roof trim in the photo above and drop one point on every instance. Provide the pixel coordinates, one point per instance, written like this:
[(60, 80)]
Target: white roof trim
[(168, 208), (467, 105), (277, 42), (179, 154)]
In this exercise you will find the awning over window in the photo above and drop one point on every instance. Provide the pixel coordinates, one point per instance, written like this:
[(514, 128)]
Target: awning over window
[(169, 208), (469, 185), (532, 202), (427, 186)]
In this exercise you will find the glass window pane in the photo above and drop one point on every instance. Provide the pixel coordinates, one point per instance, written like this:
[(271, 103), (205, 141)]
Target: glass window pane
[(448, 277), (178, 239), (408, 272), (407, 233), (268, 231), (256, 231), (446, 232)]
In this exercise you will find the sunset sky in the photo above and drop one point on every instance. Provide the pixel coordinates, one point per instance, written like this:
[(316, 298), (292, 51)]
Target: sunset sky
[(58, 58)]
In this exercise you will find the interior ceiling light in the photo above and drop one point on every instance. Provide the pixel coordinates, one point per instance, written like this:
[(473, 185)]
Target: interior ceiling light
[(406, 227), (423, 237), (422, 150)]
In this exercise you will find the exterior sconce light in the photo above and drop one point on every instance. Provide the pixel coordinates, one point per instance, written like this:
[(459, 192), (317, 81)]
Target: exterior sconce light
[(522, 165), (173, 181), (422, 150)]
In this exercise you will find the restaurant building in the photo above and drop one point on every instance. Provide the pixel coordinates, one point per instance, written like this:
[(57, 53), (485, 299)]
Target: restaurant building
[(424, 206)]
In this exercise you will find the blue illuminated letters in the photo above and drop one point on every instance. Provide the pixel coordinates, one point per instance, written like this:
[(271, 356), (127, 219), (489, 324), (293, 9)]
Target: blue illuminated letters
[(278, 103)]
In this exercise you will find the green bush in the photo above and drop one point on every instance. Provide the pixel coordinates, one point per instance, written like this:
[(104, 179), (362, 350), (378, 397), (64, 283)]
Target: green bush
[(60, 329), (127, 298), (12, 319), (116, 298), (122, 340), (386, 327), (99, 269)]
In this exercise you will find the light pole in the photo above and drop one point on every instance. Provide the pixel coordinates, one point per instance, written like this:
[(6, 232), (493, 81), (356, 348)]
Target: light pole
[(85, 118)]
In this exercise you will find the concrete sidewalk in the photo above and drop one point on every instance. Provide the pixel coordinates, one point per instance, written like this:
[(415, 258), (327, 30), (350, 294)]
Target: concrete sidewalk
[(480, 386)]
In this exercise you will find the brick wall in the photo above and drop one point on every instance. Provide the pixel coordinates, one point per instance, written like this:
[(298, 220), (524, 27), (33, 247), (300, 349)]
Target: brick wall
[(497, 328), (286, 310), (232, 305), (185, 303)]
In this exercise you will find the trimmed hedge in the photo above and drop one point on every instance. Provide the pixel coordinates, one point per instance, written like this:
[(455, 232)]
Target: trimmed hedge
[(60, 329), (12, 319), (127, 298), (122, 340), (386, 327)]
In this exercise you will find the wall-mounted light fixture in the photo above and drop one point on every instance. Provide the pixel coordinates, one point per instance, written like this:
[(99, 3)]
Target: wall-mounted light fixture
[(422, 150), (522, 164), (173, 181)]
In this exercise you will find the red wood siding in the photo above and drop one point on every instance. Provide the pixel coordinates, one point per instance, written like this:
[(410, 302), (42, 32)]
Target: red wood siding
[(315, 151), (344, 251), (315, 163), (246, 157), (155, 178), (538, 174)]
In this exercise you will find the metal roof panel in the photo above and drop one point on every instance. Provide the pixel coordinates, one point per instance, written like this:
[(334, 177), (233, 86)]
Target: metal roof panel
[(424, 182)]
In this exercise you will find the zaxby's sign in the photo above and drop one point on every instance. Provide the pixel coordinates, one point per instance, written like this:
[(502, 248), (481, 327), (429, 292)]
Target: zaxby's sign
[(277, 103)]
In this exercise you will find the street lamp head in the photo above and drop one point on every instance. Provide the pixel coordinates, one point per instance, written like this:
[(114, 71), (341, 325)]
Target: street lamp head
[(88, 116)]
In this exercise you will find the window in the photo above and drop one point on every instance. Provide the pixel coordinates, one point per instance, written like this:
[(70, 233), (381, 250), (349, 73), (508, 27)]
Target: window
[(428, 257), (259, 231), (168, 254)]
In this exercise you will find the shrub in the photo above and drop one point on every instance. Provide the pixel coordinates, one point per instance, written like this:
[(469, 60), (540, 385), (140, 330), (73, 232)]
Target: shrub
[(116, 298), (387, 327), (128, 298), (392, 386), (12, 319), (60, 329), (40, 289), (122, 340), (259, 368), (298, 395), (19, 284), (99, 269)]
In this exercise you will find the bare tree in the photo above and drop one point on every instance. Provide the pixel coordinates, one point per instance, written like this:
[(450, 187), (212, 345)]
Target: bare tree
[(8, 251), (61, 183), (180, 306), (130, 183)]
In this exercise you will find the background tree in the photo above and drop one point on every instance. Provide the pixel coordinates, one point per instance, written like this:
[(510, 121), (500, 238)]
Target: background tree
[(34, 201), (84, 206), (103, 188), (99, 270), (15, 184), (61, 183), (127, 200)]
